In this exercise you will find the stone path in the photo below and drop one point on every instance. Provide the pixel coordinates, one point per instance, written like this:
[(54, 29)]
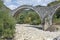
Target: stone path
[(30, 33)]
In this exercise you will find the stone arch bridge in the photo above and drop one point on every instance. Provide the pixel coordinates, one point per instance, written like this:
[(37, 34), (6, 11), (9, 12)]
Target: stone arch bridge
[(45, 13)]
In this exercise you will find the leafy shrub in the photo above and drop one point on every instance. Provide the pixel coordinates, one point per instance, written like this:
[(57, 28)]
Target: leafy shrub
[(7, 24), (28, 17)]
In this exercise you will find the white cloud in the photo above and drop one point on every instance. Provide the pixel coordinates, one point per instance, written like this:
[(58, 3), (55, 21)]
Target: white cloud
[(12, 7), (34, 2), (7, 1), (28, 2)]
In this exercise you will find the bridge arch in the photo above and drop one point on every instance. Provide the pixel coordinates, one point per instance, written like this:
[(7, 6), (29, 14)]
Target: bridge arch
[(19, 9)]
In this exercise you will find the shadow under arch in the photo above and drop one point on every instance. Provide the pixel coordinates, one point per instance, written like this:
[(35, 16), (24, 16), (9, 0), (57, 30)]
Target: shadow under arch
[(56, 17)]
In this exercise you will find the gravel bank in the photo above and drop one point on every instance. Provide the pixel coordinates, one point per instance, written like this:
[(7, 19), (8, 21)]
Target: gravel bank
[(30, 33)]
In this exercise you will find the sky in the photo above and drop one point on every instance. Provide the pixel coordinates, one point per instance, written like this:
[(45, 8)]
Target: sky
[(13, 4)]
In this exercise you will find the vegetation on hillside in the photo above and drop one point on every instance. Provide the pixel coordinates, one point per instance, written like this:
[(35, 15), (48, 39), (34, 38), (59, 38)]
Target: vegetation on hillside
[(53, 3), (28, 17), (1, 3)]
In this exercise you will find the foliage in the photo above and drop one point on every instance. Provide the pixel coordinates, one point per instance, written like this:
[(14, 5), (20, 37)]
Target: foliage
[(7, 22), (1, 3), (56, 17), (1, 39), (53, 3), (28, 17)]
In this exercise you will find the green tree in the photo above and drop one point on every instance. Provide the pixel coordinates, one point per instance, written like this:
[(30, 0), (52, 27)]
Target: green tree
[(7, 22)]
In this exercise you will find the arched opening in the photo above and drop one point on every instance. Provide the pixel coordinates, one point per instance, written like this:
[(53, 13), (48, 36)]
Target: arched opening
[(56, 17), (27, 16)]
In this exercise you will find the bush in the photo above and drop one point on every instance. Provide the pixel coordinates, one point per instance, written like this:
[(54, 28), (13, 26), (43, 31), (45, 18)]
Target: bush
[(7, 25)]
